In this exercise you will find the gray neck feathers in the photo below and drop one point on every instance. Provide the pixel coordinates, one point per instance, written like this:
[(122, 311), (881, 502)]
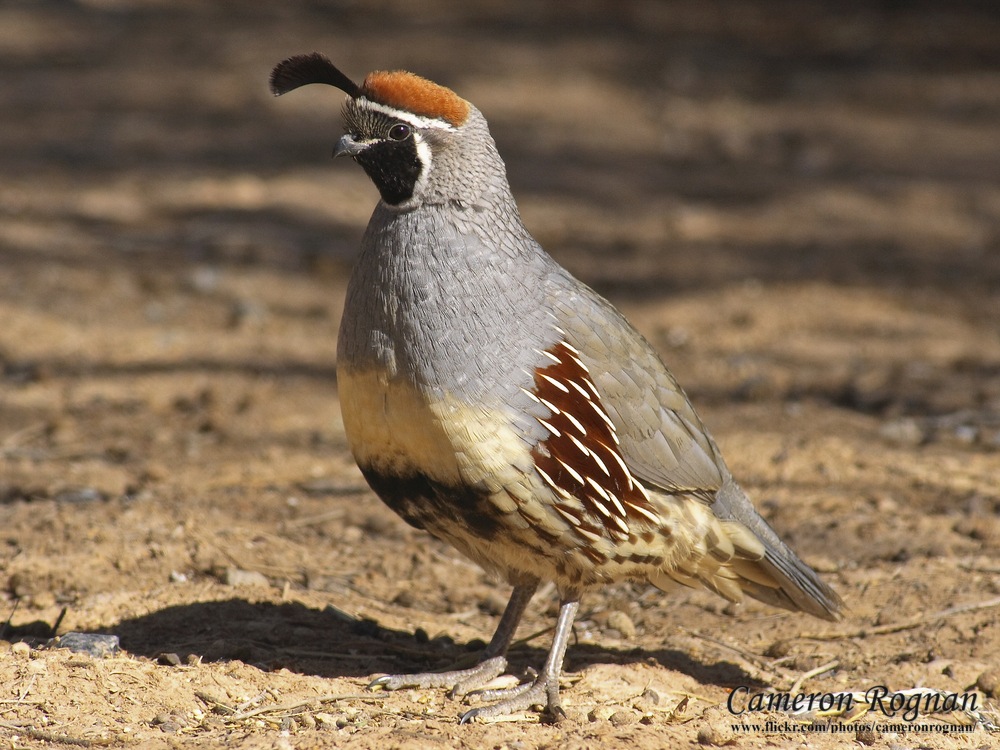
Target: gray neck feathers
[(466, 169), (450, 295)]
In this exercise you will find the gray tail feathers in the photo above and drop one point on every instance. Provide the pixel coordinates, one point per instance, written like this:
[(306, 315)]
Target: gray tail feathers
[(793, 584)]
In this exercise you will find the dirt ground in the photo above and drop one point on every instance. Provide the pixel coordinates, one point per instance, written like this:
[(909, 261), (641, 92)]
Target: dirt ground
[(797, 202)]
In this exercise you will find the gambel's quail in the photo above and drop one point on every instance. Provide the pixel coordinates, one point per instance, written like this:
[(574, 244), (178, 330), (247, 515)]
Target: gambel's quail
[(498, 403)]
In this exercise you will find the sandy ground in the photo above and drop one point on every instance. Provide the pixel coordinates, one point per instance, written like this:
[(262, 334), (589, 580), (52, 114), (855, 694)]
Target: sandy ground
[(799, 206)]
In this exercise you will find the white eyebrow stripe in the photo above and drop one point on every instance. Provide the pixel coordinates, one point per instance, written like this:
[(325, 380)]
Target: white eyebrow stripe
[(416, 120)]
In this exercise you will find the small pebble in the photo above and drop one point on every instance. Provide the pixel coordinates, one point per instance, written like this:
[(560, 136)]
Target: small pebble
[(717, 730), (169, 723), (601, 713), (779, 649), (247, 311), (204, 279), (404, 598), (92, 644), (904, 431), (43, 600), (967, 434), (307, 720), (20, 649), (866, 736), (79, 495), (647, 701), (623, 718), (170, 660), (708, 736), (989, 682), (239, 577), (352, 535), (622, 623), (38, 666)]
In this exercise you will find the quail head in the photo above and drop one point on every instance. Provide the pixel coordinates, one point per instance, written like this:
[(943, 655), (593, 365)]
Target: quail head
[(495, 401)]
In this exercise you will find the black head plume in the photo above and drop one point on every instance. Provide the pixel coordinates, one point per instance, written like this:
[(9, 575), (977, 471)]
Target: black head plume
[(315, 68)]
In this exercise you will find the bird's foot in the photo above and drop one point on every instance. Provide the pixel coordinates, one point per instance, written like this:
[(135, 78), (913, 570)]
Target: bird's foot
[(461, 681), (541, 690)]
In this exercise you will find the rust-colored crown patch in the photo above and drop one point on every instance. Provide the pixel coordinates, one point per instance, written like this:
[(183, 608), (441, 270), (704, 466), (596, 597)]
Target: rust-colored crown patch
[(411, 93)]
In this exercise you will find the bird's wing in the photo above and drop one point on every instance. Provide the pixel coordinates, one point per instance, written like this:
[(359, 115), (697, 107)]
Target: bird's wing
[(662, 439), (666, 446)]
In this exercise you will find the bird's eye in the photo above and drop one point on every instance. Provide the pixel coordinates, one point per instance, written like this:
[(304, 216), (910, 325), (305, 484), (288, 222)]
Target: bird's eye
[(399, 132)]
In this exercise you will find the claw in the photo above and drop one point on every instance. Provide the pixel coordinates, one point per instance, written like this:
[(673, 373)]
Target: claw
[(542, 692)]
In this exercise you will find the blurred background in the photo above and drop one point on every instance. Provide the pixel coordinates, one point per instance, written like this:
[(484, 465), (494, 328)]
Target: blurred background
[(798, 202), (709, 141)]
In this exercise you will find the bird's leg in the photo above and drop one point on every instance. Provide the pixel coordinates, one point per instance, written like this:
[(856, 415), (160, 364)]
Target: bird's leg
[(491, 664), (544, 689)]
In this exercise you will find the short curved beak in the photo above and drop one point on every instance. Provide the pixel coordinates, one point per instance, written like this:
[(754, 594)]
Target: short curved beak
[(347, 146)]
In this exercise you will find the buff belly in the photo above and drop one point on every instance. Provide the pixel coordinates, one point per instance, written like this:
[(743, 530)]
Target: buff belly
[(464, 476)]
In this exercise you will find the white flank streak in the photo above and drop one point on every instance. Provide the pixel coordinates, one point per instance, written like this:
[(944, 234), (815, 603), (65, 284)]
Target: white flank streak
[(572, 471), (550, 355), (588, 534), (573, 520), (607, 420), (628, 474), (604, 466), (583, 448), (600, 490), (548, 479), (549, 405), (620, 523), (645, 512), (592, 388), (642, 490), (580, 388), (558, 490), (569, 345), (618, 505), (603, 415), (576, 422), (613, 499), (583, 366), (603, 510), (555, 382), (530, 395), (549, 427)]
